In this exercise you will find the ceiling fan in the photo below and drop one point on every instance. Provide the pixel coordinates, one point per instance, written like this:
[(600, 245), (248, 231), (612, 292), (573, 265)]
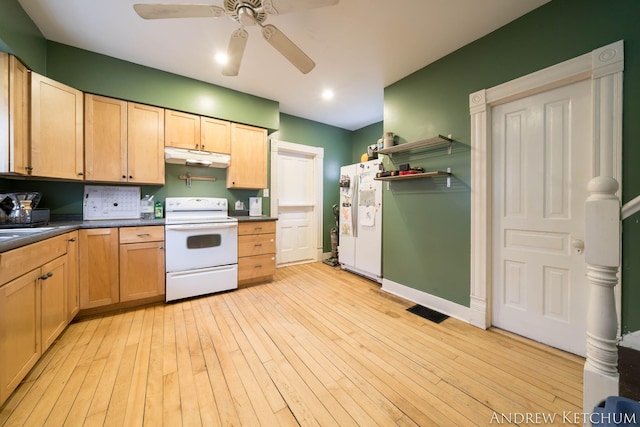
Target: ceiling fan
[(246, 13)]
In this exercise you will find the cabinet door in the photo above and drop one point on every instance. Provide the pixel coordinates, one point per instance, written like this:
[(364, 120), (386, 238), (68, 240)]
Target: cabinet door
[(19, 330), (105, 139), (248, 168), (182, 130), (56, 129), (145, 151), (252, 268), (14, 115), (142, 272), (98, 267), (256, 244), (19, 115), (215, 135), (73, 276), (54, 300)]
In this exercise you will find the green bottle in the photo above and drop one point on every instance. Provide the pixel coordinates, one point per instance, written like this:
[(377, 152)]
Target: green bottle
[(159, 211)]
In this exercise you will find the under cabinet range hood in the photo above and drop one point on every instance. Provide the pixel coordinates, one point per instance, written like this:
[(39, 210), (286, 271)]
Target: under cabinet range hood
[(205, 159)]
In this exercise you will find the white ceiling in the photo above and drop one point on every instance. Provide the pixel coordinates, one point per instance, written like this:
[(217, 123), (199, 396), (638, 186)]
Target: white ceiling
[(359, 46)]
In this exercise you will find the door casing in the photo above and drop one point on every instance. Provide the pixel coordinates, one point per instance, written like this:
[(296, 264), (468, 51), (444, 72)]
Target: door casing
[(317, 153), (604, 68)]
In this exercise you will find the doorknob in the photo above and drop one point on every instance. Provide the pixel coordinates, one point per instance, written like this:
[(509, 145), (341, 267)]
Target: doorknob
[(578, 245)]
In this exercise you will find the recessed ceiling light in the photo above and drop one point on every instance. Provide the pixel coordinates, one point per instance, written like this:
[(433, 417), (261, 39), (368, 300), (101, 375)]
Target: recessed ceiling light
[(327, 94), (221, 58)]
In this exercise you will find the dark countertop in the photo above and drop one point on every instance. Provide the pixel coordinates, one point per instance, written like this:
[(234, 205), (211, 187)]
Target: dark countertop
[(55, 228)]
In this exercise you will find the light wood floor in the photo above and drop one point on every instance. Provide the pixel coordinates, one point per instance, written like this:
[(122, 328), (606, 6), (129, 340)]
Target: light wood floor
[(318, 346)]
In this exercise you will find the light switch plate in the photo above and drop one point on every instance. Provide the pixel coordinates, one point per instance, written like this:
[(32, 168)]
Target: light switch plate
[(265, 192)]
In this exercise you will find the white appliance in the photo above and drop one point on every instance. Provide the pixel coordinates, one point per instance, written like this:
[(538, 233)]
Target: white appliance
[(183, 156), (360, 224), (201, 243), (255, 206)]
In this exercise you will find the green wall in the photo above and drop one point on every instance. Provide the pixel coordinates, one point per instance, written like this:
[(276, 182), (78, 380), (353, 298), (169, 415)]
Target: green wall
[(363, 138), (337, 152), (20, 36), (426, 227), (104, 75)]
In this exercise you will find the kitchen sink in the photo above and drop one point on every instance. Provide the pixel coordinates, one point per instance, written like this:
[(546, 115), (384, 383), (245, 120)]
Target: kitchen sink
[(13, 233), (25, 230)]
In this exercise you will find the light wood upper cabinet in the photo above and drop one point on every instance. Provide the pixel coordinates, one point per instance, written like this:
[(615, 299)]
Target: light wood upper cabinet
[(98, 267), (124, 141), (57, 149), (145, 149), (105, 139), (248, 168), (182, 130), (14, 115), (215, 135), (193, 132)]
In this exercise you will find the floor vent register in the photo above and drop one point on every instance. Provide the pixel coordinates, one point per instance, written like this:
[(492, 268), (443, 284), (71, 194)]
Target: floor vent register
[(427, 313)]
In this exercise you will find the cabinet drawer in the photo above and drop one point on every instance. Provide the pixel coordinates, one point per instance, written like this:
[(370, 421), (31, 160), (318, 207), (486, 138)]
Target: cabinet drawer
[(154, 233), (256, 266), (256, 244), (256, 227), (18, 261)]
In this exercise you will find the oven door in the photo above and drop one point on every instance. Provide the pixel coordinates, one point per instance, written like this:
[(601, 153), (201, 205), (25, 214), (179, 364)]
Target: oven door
[(194, 246)]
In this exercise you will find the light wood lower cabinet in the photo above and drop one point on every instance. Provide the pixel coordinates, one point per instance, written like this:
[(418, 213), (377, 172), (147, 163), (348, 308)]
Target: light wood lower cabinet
[(142, 272), (20, 328), (121, 265), (33, 306), (54, 300), (256, 251), (73, 276), (98, 267)]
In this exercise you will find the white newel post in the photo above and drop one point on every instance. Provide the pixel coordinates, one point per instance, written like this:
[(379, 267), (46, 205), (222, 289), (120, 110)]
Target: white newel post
[(602, 255)]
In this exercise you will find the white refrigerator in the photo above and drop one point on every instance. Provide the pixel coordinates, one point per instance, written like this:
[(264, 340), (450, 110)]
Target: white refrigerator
[(360, 225)]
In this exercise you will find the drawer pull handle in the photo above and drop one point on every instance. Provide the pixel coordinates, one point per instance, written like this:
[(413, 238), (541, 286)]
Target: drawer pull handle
[(257, 228), (143, 235), (46, 276), (258, 244), (73, 239), (257, 266), (161, 247)]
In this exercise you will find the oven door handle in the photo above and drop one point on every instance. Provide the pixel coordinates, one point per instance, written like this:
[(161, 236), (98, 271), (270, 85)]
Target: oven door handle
[(188, 227)]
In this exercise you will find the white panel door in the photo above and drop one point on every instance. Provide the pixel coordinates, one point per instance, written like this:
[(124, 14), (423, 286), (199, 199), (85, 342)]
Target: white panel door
[(296, 208), (542, 164)]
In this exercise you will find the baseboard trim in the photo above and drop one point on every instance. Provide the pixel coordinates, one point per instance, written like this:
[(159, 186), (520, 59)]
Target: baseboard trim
[(433, 302)]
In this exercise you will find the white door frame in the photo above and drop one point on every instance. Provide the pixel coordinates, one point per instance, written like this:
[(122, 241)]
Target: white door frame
[(317, 153), (604, 68)]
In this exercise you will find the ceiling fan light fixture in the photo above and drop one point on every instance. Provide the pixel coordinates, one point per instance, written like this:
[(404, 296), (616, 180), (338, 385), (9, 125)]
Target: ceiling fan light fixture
[(222, 58)]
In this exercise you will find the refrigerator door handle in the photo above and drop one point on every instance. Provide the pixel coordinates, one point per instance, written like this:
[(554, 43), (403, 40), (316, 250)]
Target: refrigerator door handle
[(354, 207)]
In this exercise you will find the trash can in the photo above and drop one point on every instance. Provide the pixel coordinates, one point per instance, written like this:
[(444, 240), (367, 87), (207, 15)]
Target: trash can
[(616, 411)]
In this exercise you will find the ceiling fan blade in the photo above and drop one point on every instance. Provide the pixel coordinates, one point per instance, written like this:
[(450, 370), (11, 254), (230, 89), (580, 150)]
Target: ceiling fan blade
[(162, 11), (280, 7), (288, 49), (235, 51)]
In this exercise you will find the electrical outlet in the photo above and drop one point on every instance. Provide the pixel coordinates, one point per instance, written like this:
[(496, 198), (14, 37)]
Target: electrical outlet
[(265, 192)]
